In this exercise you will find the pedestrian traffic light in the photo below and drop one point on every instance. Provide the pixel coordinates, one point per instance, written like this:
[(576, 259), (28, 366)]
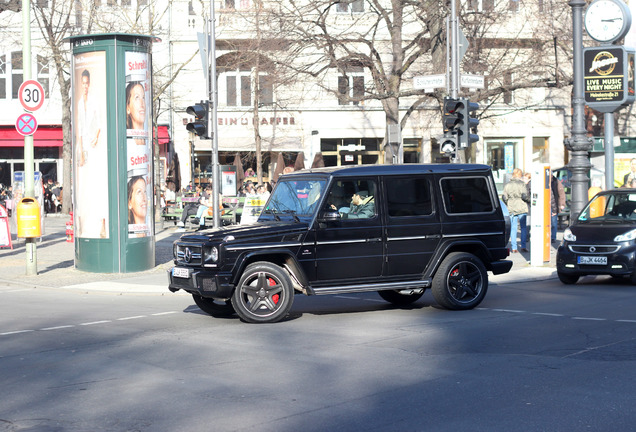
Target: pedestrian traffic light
[(448, 146), (453, 116), (468, 129), (200, 112)]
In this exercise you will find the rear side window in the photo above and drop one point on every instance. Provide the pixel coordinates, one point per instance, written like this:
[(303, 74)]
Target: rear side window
[(466, 195), (409, 196)]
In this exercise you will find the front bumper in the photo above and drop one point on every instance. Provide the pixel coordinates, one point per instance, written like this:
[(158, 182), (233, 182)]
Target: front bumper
[(619, 263), (204, 283)]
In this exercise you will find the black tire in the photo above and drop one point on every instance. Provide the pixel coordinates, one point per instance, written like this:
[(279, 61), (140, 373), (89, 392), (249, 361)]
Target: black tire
[(568, 279), (214, 307), (398, 299), (460, 282), (264, 293)]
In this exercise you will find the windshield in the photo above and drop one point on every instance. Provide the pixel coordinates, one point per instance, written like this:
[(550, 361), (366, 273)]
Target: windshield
[(295, 197), (617, 207)]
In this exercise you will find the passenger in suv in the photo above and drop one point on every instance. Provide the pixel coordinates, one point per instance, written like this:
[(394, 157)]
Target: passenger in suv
[(429, 226)]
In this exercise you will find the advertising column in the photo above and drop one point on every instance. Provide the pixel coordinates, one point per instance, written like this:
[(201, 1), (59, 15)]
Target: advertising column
[(112, 153)]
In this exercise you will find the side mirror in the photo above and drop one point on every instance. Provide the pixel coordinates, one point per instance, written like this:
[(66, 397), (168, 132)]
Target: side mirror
[(329, 216)]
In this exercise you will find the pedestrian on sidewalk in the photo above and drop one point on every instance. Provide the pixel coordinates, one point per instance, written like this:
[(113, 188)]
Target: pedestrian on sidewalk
[(515, 197)]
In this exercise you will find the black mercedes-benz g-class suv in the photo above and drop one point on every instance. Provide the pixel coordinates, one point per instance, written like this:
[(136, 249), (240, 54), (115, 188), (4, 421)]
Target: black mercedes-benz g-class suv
[(395, 229)]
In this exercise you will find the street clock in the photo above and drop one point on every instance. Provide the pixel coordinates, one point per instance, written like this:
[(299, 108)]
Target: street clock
[(607, 21)]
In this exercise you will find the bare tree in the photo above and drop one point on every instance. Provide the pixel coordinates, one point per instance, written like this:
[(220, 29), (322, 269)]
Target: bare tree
[(513, 44)]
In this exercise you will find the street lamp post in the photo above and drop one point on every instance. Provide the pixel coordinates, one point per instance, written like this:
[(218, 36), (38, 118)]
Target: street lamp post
[(579, 144)]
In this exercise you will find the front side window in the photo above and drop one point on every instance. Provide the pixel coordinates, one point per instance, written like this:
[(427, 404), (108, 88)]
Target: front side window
[(353, 199), (466, 195), (409, 197)]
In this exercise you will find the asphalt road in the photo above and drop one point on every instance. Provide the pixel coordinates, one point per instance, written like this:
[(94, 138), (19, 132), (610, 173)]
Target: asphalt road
[(533, 357)]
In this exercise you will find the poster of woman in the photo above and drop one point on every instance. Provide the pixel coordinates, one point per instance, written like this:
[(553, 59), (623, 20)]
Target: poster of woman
[(139, 143), (90, 155)]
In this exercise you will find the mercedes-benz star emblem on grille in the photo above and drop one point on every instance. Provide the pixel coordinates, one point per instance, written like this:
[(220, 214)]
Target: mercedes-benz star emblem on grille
[(187, 255), (592, 249)]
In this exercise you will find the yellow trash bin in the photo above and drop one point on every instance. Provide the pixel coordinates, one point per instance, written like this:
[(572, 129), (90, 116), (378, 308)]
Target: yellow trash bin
[(28, 218)]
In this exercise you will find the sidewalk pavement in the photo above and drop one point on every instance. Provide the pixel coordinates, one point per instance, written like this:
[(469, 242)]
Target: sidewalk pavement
[(56, 269)]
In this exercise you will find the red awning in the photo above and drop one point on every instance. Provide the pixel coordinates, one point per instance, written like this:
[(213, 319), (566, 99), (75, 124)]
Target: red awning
[(45, 136), (51, 136), (163, 134)]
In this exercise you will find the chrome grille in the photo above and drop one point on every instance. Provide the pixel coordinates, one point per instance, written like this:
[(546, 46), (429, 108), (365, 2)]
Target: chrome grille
[(594, 249), (189, 254)]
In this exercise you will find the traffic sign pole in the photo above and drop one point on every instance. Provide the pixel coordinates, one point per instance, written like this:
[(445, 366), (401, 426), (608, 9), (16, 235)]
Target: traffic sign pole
[(29, 162)]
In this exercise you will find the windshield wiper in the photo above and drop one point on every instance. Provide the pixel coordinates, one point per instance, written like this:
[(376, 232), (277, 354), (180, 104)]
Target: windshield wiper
[(293, 213), (272, 212)]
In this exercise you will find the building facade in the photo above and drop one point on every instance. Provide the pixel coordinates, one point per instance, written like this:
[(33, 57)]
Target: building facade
[(290, 100)]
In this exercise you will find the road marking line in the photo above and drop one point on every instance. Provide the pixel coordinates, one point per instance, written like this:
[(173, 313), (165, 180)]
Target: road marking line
[(589, 319), (626, 321), (95, 322), (509, 310), (56, 328), (131, 318), (548, 314), (163, 313), (16, 332)]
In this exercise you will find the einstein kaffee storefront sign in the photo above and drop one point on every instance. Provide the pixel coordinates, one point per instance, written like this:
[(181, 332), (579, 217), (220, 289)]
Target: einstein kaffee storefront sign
[(609, 77)]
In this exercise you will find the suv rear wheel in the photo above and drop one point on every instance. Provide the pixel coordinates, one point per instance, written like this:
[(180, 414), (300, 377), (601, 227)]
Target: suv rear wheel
[(460, 282), (264, 293)]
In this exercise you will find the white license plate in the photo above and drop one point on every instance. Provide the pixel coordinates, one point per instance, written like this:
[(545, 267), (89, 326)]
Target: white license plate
[(180, 272), (595, 260)]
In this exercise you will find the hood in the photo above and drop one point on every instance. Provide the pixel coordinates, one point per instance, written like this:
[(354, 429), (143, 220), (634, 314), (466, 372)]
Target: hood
[(244, 232), (595, 232)]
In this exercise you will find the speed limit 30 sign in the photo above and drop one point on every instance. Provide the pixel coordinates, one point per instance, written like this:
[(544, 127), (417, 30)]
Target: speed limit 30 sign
[(31, 95)]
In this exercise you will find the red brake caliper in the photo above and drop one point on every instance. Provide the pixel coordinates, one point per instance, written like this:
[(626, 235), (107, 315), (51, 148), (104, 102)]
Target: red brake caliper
[(275, 297)]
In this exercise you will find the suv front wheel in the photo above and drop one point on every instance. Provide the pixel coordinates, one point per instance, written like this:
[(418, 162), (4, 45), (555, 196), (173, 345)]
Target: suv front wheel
[(460, 282), (264, 293)]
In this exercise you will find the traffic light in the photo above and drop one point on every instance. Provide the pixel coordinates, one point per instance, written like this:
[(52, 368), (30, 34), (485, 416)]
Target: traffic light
[(199, 126), (469, 124), (453, 116), (448, 146)]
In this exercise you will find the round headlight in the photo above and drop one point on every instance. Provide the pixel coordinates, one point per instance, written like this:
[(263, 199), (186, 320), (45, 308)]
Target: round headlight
[(211, 254)]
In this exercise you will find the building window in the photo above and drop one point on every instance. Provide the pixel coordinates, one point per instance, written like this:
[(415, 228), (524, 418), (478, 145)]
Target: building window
[(43, 74), (243, 95), (482, 5), (351, 86), (191, 8), (513, 5), (229, 4), (3, 76), (16, 73), (354, 6), (507, 81)]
